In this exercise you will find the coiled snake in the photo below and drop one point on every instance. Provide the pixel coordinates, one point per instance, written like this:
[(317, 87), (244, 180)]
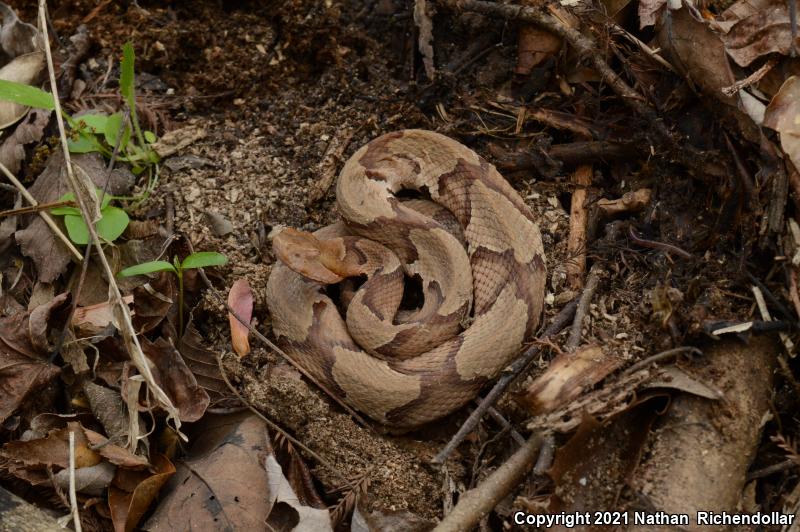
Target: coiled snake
[(486, 271)]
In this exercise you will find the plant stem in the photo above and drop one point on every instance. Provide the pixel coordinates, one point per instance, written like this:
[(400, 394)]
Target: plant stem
[(180, 302)]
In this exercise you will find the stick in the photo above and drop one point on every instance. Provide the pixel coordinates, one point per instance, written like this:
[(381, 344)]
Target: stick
[(45, 216), (479, 501), (125, 324), (558, 323), (578, 223), (587, 50), (73, 498), (580, 313)]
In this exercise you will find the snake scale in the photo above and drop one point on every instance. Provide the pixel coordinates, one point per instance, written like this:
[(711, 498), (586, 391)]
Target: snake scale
[(474, 248)]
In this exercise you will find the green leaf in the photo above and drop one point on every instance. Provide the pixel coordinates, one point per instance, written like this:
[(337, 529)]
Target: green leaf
[(203, 259), (61, 211), (25, 95), (148, 267), (126, 87), (96, 122), (112, 224), (112, 129), (84, 144), (149, 136), (69, 196), (77, 230)]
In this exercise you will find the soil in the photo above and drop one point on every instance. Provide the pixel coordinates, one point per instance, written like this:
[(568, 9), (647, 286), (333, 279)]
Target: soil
[(280, 88)]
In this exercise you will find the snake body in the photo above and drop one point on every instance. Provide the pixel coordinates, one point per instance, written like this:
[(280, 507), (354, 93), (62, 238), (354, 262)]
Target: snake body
[(407, 367)]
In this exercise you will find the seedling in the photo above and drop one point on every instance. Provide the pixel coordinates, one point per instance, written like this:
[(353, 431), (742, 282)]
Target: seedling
[(97, 132), (109, 227), (201, 259)]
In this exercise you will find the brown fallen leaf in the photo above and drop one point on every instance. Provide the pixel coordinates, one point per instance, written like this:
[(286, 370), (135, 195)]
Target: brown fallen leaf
[(782, 116), (240, 299), (153, 301), (23, 355), (31, 129), (53, 450), (23, 69), (132, 492), (231, 479), (175, 378), (534, 46), (114, 453), (203, 363), (764, 32), (94, 318), (17, 37), (35, 238), (710, 70)]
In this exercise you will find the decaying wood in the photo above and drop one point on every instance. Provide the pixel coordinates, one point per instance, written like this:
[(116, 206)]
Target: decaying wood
[(18, 515), (632, 201), (569, 154), (701, 450), (578, 223)]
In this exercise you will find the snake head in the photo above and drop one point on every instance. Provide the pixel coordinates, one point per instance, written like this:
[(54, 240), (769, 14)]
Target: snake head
[(305, 254)]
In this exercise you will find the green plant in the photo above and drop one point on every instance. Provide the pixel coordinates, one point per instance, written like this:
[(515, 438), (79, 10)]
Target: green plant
[(201, 259), (99, 132), (109, 227)]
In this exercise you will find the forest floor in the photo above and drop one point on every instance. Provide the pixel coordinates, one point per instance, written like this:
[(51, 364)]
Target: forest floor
[(675, 199)]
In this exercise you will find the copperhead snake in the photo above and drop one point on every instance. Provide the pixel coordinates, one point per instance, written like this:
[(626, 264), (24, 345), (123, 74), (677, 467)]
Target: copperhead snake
[(475, 249)]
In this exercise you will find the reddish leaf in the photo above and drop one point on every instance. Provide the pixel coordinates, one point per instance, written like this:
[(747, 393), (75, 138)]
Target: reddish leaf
[(23, 350), (240, 299), (132, 492)]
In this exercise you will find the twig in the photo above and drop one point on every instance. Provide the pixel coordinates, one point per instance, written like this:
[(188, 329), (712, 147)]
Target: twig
[(578, 223), (558, 323), (45, 216), (771, 470), (274, 426), (580, 313), (504, 423), (477, 502), (124, 315), (36, 208), (660, 357), (215, 293), (586, 48), (73, 498), (546, 454), (788, 344)]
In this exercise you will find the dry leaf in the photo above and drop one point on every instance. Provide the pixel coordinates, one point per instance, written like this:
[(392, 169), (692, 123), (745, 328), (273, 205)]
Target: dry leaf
[(53, 450), (783, 115), (710, 70), (222, 481), (174, 377), (23, 355), (36, 239), (764, 32), (203, 363), (23, 69), (240, 299), (31, 129), (534, 46), (17, 37), (92, 480), (94, 318), (114, 453), (132, 492)]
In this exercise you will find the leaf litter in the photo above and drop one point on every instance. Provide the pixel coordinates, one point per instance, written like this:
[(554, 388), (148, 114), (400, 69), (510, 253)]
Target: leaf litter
[(261, 135)]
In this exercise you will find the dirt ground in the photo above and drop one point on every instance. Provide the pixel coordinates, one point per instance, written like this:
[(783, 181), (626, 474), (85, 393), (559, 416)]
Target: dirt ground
[(285, 92)]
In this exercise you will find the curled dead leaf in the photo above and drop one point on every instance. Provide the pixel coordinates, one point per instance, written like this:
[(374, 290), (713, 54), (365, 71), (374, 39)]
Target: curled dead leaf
[(132, 492), (240, 299)]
